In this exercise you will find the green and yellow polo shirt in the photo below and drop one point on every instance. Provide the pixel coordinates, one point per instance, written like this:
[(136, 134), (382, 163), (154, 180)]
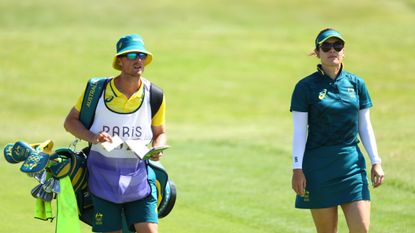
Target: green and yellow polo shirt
[(332, 106), (118, 102)]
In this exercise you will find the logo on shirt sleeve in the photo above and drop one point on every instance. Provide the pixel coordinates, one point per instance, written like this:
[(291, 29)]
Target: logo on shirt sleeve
[(108, 99)]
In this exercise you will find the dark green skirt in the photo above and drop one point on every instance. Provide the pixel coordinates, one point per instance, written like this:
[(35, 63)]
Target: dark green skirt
[(335, 175)]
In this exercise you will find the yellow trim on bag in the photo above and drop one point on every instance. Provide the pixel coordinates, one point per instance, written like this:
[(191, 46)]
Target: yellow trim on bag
[(159, 196)]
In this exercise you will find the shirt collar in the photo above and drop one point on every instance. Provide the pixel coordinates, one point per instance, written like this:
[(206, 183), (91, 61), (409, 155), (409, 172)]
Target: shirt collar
[(323, 74), (118, 93)]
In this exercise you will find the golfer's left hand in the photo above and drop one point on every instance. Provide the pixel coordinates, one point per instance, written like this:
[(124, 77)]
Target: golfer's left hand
[(377, 175), (298, 182)]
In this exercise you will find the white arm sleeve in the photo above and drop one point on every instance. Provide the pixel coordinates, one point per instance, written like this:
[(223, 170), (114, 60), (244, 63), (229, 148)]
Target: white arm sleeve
[(368, 136), (300, 120)]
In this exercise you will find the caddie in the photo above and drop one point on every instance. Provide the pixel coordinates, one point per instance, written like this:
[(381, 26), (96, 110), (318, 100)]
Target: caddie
[(121, 183)]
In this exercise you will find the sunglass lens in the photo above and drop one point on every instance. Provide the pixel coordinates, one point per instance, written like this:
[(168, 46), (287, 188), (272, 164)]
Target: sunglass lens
[(325, 47), (338, 46), (142, 56), (131, 56)]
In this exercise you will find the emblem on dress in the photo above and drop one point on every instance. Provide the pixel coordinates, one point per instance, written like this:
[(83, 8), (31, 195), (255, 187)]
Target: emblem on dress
[(306, 195), (350, 90), (322, 94), (98, 218)]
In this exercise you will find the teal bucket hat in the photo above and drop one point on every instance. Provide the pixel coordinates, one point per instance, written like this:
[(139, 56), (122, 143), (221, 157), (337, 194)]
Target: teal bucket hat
[(131, 43), (327, 34)]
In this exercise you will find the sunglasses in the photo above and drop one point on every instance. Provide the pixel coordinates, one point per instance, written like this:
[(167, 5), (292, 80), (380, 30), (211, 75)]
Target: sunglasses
[(326, 46), (134, 56)]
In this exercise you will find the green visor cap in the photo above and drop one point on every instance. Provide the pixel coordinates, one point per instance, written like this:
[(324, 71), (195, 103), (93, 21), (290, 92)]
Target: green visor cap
[(326, 35), (131, 43)]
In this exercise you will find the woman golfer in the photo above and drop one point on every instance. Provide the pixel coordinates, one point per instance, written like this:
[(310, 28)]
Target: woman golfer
[(329, 108)]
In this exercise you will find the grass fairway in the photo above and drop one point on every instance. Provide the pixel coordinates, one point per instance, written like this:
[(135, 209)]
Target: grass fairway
[(228, 69)]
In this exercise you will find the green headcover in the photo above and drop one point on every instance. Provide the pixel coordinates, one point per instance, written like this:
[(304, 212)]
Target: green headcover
[(7, 151), (33, 161)]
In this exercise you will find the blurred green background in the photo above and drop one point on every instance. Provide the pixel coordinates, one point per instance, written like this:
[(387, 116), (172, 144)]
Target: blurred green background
[(228, 69)]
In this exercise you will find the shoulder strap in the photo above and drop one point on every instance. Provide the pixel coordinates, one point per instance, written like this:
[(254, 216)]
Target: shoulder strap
[(93, 92), (156, 98)]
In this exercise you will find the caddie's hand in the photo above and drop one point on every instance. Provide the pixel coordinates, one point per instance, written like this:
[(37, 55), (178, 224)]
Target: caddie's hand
[(298, 182), (101, 137), (156, 157), (377, 175)]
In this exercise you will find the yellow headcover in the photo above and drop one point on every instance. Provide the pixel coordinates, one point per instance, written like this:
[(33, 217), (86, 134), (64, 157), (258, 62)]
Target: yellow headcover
[(45, 146)]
